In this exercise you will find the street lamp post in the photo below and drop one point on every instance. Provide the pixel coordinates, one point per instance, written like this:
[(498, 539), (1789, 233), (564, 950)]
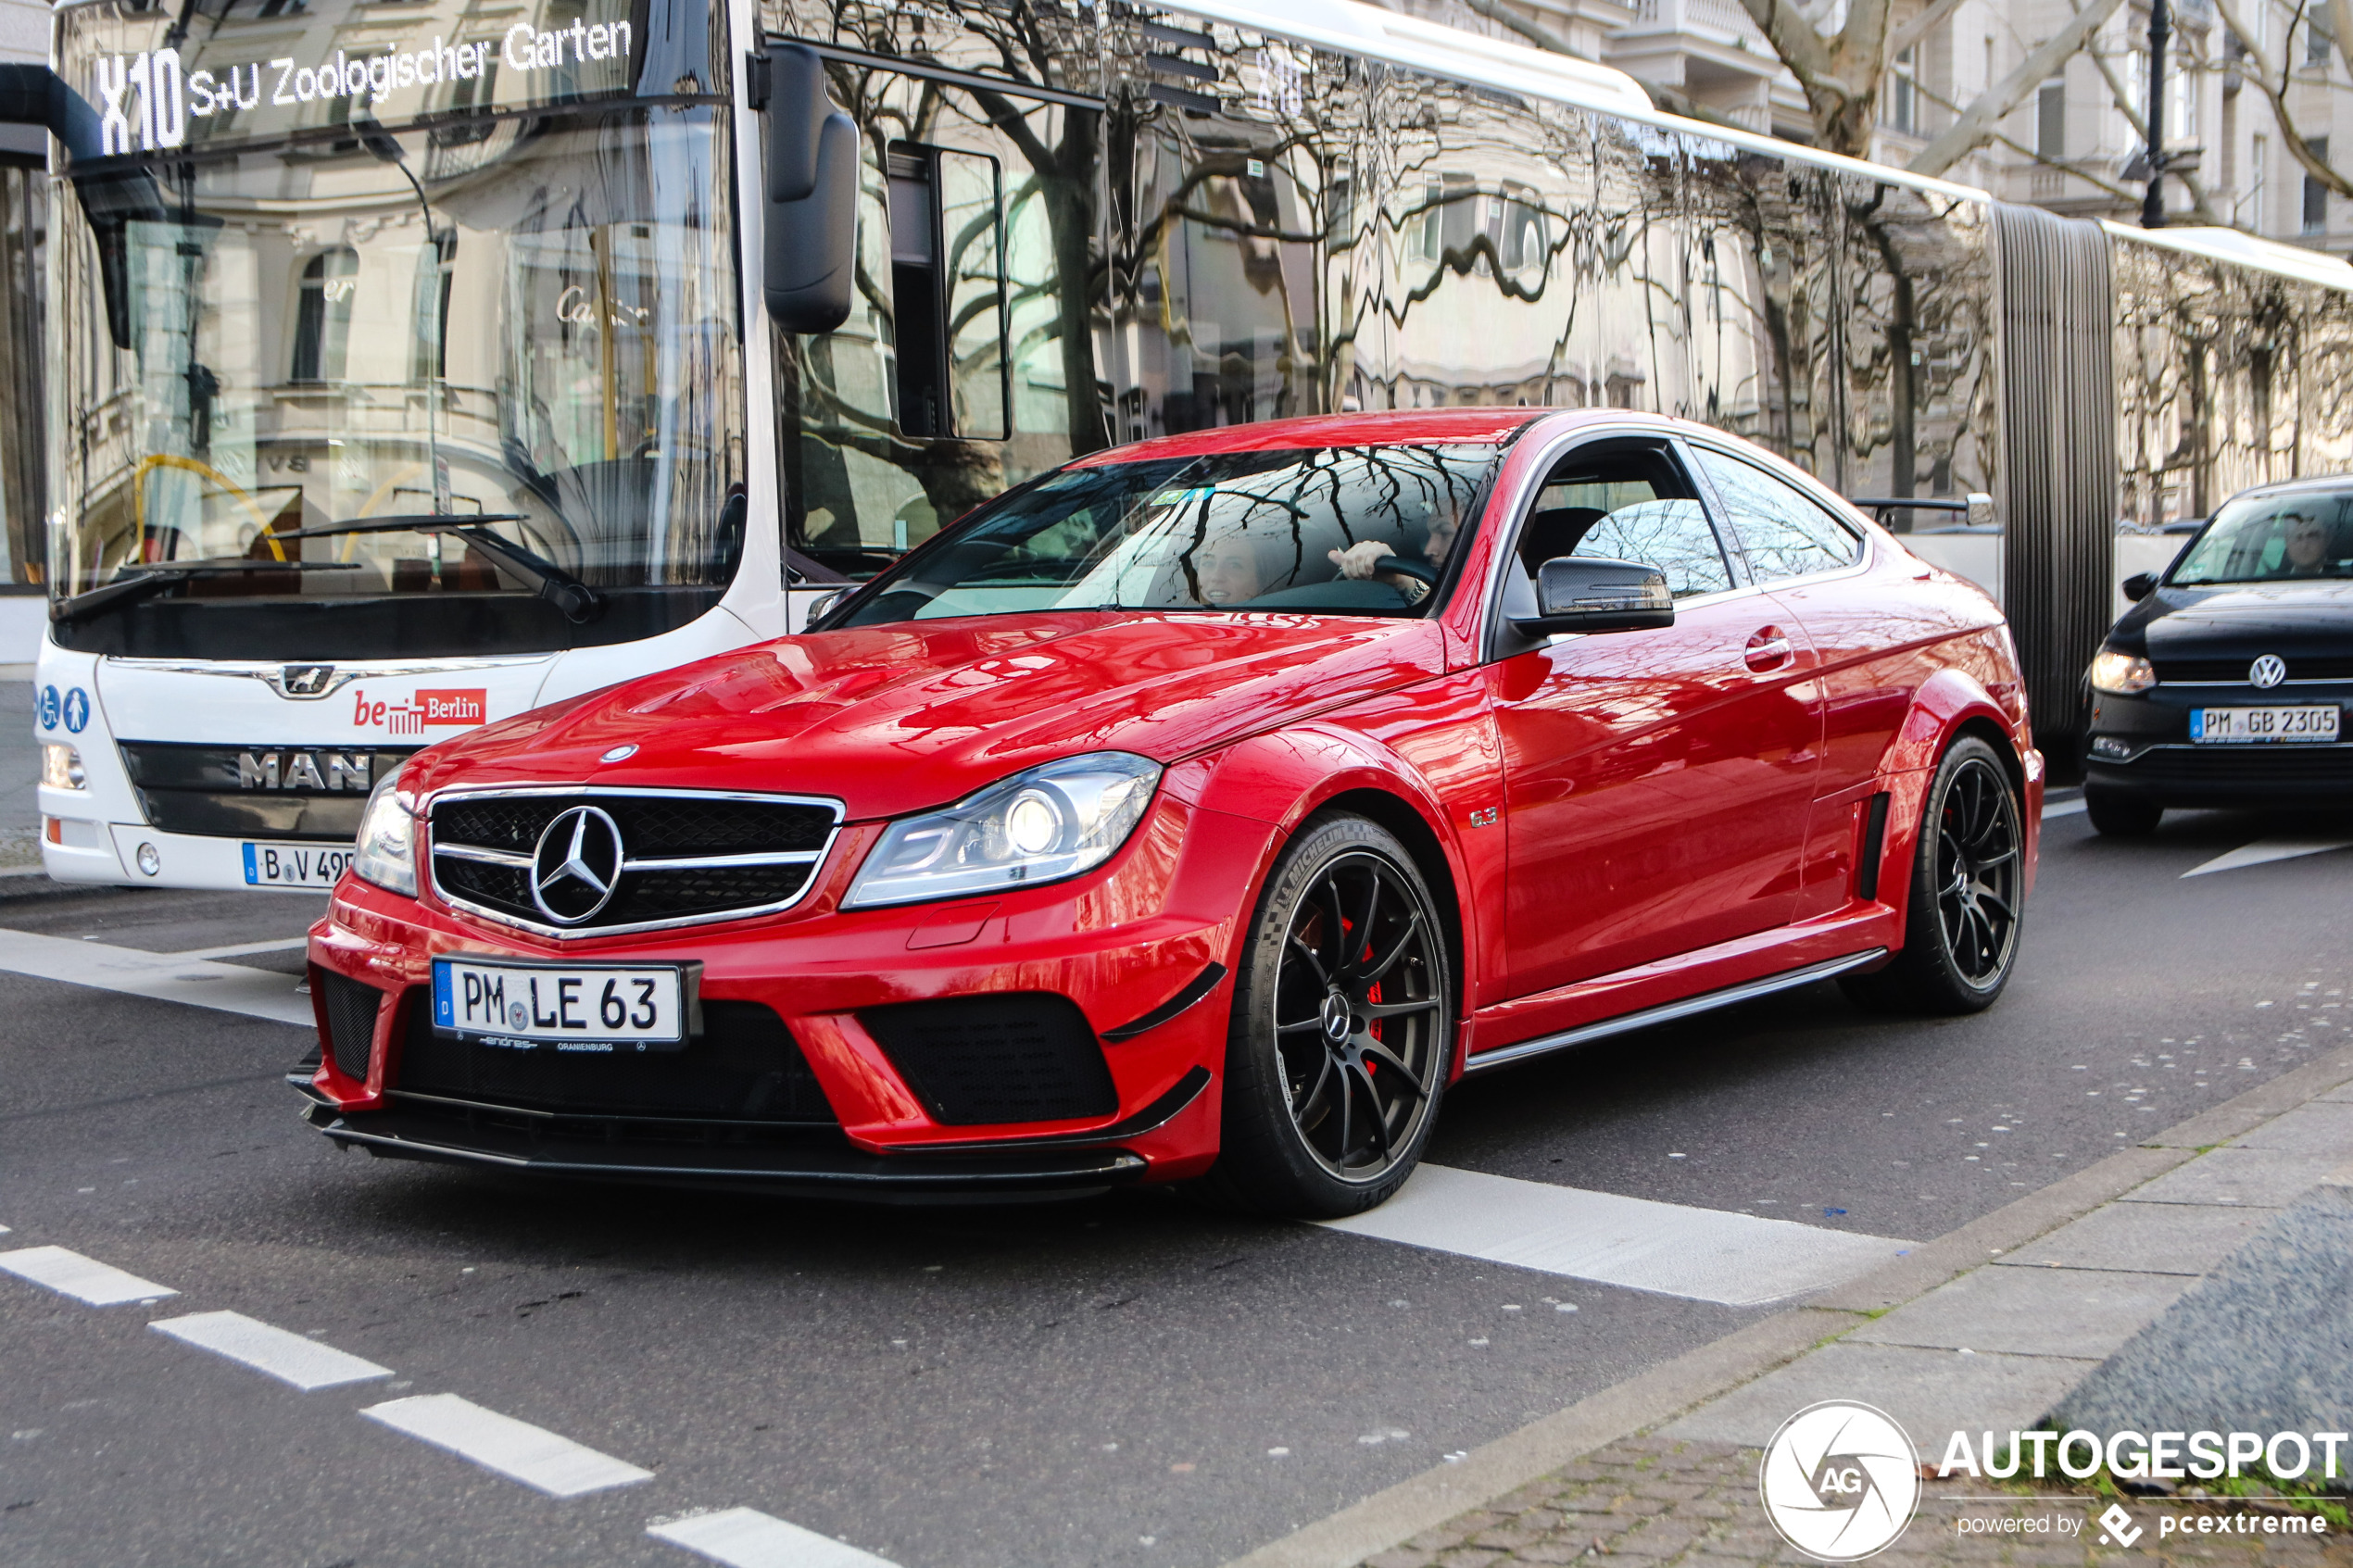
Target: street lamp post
[(2160, 32)]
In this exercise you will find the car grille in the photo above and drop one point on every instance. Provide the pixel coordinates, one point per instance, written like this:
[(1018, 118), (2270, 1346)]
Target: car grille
[(2239, 764), (351, 1006), (2233, 671), (744, 1067), (256, 791), (687, 857), (982, 1061)]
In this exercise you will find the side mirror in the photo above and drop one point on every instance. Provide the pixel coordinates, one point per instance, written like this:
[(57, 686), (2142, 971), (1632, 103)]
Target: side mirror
[(1586, 593), (1980, 509), (2140, 586), (810, 253)]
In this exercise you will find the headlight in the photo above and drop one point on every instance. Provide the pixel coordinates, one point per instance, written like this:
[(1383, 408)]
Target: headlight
[(2127, 673), (61, 767), (387, 854), (1039, 826)]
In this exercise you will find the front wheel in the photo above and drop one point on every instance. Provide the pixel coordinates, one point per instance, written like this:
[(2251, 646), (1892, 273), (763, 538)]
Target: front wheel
[(1969, 880), (1342, 1032)]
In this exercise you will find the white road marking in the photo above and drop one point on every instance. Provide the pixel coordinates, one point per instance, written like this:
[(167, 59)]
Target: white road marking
[(170, 977), (531, 1455), (2265, 850), (745, 1537), (247, 950), (1700, 1254), (289, 1358), (2062, 809), (85, 1279)]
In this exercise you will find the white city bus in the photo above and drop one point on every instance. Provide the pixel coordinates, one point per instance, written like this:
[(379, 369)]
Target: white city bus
[(414, 363)]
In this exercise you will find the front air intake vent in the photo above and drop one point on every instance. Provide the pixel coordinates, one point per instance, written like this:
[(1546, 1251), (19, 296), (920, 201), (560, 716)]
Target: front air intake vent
[(351, 1006), (594, 862), (985, 1061), (745, 1068)]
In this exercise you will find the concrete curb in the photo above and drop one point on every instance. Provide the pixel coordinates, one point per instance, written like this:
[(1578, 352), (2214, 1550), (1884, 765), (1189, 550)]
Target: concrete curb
[(1400, 1512)]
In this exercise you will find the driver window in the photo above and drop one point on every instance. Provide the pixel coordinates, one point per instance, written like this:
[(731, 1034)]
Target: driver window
[(1626, 503)]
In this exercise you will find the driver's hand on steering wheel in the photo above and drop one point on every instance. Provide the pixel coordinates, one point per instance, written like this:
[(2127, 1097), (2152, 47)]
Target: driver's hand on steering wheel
[(1355, 562)]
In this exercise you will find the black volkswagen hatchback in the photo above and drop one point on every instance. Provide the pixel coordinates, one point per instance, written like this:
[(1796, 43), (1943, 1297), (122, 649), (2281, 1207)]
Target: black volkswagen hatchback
[(2225, 684)]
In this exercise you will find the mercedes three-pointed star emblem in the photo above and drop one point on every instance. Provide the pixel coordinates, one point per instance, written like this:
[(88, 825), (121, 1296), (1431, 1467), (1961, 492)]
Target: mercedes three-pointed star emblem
[(576, 865)]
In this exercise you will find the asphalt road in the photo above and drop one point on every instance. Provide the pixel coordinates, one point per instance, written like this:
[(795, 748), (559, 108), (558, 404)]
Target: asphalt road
[(1127, 1380)]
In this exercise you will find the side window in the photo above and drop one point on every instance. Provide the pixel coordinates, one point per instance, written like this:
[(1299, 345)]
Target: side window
[(1785, 532), (1624, 504)]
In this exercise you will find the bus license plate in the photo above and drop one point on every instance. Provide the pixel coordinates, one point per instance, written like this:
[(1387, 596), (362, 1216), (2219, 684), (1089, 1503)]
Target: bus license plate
[(295, 865), (599, 1008), (2255, 726)]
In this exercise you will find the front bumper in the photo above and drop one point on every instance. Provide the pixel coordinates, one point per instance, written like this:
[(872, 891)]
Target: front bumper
[(2138, 745), (1139, 952), (808, 1162)]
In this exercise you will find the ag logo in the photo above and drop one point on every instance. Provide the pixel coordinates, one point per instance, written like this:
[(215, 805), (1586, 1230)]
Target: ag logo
[(1840, 1481)]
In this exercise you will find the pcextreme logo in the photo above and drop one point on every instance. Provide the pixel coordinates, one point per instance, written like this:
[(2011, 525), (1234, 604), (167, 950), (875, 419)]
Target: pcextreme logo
[(1840, 1481)]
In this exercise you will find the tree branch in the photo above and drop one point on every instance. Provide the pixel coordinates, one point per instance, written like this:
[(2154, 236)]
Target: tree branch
[(1976, 124), (2273, 85), (1538, 33), (2140, 125), (1928, 21)]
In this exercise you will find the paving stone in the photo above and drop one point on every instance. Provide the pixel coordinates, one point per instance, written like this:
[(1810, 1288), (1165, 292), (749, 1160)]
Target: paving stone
[(2318, 1128), (2084, 1313), (2158, 1238), (1929, 1393), (2265, 1177)]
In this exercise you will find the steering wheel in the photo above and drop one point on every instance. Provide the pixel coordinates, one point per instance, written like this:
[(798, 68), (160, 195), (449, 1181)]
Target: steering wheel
[(1420, 571)]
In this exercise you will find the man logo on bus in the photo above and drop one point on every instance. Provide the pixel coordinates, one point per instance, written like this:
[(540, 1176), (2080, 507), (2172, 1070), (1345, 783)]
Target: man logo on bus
[(422, 709), (1840, 1481)]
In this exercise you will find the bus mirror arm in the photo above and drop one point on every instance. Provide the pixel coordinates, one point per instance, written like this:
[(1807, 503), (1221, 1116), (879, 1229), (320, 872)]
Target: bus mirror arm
[(810, 225)]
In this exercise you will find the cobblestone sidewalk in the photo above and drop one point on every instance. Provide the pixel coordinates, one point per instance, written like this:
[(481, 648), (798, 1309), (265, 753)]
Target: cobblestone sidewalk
[(1650, 1502)]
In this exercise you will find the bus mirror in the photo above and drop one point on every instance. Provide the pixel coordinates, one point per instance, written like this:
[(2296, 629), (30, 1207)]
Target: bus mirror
[(812, 221), (1980, 509)]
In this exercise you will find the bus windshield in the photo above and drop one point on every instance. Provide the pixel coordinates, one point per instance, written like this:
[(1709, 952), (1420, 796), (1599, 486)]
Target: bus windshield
[(471, 386)]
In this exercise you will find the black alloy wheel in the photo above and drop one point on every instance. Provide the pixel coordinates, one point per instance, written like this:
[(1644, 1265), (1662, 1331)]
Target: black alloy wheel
[(1342, 1032), (1967, 889), (1979, 869)]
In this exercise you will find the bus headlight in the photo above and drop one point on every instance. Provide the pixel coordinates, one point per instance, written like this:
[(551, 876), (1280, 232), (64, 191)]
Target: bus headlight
[(1048, 824), (387, 850), (61, 767)]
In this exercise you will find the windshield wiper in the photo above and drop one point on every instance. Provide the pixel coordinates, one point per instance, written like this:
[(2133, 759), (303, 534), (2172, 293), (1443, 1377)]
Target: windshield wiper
[(152, 577), (576, 600)]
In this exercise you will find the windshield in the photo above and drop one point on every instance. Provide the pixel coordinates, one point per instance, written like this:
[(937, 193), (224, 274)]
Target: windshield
[(482, 377), (1345, 529), (2273, 539)]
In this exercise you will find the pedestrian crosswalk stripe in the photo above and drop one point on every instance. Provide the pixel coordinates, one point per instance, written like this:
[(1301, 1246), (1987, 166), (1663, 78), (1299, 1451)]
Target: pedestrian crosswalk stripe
[(745, 1537)]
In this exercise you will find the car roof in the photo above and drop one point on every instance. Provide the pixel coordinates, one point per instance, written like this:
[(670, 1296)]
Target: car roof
[(2290, 486), (1475, 427)]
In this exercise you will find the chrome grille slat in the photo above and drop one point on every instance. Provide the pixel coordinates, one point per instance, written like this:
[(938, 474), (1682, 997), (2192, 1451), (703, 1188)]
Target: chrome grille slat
[(710, 853)]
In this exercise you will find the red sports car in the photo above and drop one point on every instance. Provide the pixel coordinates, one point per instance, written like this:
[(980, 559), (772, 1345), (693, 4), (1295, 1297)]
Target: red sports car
[(1199, 810)]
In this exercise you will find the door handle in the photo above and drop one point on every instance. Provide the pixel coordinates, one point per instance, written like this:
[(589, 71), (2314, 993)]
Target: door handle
[(1769, 649)]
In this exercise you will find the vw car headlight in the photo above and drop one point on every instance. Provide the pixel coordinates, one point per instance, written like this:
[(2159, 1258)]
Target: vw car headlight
[(1051, 823), (2125, 672), (387, 854)]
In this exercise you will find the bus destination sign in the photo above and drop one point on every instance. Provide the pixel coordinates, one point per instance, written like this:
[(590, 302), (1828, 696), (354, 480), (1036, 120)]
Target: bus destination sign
[(246, 76)]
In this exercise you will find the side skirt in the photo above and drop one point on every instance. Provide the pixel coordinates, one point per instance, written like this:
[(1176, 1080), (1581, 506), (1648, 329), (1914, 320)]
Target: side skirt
[(1708, 1001)]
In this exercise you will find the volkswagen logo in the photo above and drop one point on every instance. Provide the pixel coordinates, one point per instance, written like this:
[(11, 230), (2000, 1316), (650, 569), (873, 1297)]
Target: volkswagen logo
[(576, 865), (2268, 671)]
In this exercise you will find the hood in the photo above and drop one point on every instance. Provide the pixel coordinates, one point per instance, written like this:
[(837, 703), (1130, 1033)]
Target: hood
[(2241, 620), (901, 717)]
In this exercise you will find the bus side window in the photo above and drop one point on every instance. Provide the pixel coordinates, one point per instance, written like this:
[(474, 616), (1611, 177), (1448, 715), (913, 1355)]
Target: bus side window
[(947, 286)]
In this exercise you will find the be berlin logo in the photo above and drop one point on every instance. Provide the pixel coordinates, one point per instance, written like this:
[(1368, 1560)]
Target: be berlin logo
[(1841, 1482)]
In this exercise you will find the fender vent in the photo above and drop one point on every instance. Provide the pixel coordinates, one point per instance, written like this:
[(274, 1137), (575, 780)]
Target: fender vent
[(987, 1060), (351, 1006)]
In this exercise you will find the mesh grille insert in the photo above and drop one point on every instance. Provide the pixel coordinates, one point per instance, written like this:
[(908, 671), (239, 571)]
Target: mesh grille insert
[(744, 1067), (351, 1009), (982, 1060)]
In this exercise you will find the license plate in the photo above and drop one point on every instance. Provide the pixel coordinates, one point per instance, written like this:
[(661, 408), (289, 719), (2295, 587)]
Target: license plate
[(2255, 726), (295, 865), (596, 1008)]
